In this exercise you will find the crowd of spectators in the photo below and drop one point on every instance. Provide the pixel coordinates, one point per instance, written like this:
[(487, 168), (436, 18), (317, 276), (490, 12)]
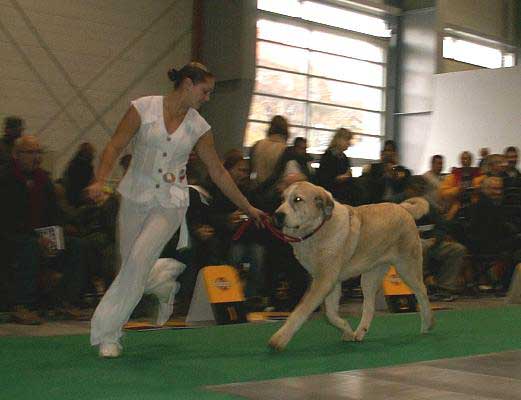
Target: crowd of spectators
[(471, 237)]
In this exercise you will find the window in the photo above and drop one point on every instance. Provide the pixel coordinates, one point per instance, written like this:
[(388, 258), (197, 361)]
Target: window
[(322, 67), (476, 54)]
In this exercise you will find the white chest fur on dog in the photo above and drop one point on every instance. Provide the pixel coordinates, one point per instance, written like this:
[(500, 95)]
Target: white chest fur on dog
[(352, 241)]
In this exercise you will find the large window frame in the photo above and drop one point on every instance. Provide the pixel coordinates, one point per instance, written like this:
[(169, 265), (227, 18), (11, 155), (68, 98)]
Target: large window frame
[(368, 141)]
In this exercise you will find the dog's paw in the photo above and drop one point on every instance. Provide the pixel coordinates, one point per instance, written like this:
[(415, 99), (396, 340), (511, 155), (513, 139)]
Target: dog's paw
[(348, 336), (279, 341), (360, 334)]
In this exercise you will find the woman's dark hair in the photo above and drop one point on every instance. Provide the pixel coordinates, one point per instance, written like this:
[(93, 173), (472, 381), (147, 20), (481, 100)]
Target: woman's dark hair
[(278, 126), (194, 71)]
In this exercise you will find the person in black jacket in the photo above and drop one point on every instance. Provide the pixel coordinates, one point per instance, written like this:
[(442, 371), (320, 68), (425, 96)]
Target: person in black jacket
[(29, 202), (334, 173), (79, 174)]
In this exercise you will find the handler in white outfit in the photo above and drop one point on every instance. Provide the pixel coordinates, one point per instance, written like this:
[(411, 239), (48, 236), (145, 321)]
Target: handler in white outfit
[(164, 130)]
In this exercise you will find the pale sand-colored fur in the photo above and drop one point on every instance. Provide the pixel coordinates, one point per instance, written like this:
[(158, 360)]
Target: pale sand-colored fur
[(354, 241)]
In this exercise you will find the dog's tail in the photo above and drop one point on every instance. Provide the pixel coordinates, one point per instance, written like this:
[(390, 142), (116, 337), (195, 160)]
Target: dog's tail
[(416, 206)]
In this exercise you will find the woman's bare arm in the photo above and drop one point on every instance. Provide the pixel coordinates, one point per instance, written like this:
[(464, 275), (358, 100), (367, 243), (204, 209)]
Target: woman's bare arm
[(125, 131), (127, 128), (206, 151)]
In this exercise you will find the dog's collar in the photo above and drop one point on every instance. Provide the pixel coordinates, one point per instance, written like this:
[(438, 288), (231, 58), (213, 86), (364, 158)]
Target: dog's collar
[(296, 239), (276, 232)]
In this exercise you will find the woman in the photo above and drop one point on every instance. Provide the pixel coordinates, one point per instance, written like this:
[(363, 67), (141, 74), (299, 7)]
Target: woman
[(334, 173), (154, 191)]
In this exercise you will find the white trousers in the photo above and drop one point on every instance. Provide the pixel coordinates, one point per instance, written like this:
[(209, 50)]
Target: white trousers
[(144, 229)]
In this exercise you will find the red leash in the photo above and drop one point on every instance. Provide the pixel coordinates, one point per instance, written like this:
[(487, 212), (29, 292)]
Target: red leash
[(274, 231)]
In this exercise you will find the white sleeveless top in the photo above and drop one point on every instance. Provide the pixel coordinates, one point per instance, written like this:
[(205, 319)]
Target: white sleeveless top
[(158, 167)]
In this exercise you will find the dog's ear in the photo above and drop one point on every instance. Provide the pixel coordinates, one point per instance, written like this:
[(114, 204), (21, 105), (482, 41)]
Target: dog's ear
[(324, 202)]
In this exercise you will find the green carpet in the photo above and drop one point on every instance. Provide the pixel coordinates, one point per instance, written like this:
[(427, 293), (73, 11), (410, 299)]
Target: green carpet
[(175, 364)]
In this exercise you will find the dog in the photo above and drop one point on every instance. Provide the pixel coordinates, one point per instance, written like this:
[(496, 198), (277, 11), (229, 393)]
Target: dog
[(338, 242)]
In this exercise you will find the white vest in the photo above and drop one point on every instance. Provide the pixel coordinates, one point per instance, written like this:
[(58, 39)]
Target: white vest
[(158, 167)]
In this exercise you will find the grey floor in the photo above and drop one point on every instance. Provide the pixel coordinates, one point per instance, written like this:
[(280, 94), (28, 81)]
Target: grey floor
[(492, 376)]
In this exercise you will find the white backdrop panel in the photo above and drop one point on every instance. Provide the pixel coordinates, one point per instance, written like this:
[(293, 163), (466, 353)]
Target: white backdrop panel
[(474, 109)]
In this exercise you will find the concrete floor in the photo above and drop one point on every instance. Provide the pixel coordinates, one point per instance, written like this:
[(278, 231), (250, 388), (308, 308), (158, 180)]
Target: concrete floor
[(485, 377)]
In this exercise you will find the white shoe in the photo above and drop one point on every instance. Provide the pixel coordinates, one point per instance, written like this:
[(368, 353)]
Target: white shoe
[(109, 350)]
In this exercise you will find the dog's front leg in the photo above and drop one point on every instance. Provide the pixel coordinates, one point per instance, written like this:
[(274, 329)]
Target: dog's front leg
[(319, 289)]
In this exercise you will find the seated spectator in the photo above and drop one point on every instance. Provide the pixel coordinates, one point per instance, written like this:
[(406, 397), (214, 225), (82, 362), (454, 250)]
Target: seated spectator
[(443, 257), (226, 218), (334, 173), (433, 178), (204, 247), (286, 279), (482, 163), (28, 203), (458, 187), (490, 232), (299, 150), (79, 174), (294, 160), (496, 165), (512, 187), (385, 180)]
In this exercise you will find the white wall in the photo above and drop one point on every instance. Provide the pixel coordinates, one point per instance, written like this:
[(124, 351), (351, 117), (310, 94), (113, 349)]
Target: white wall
[(70, 68), (473, 109)]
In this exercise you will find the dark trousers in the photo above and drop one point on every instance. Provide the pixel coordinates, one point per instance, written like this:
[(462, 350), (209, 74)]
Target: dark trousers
[(29, 262)]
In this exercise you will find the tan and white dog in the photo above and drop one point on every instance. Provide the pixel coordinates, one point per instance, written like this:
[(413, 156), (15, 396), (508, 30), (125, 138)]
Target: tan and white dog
[(341, 242)]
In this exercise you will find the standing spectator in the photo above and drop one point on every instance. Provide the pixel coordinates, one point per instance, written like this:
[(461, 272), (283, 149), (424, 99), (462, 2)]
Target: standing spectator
[(79, 174), (433, 179), (13, 129), (266, 152), (334, 173)]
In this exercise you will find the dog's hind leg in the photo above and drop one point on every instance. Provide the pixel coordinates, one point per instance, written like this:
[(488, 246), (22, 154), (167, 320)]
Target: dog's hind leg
[(332, 304), (411, 273), (370, 282)]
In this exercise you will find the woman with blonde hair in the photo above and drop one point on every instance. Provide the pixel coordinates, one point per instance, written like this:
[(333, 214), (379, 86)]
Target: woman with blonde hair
[(334, 173)]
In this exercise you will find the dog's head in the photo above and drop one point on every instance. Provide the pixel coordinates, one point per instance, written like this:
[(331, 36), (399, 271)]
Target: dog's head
[(304, 207)]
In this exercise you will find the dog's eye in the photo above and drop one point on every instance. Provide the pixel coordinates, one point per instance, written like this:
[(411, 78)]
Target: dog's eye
[(297, 199)]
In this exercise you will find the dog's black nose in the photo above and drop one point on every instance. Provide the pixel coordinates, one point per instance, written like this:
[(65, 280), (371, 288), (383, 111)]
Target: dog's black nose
[(279, 219)]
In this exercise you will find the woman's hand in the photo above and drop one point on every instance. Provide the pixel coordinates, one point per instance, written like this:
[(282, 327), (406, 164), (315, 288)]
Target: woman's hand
[(235, 219), (95, 191), (256, 215)]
